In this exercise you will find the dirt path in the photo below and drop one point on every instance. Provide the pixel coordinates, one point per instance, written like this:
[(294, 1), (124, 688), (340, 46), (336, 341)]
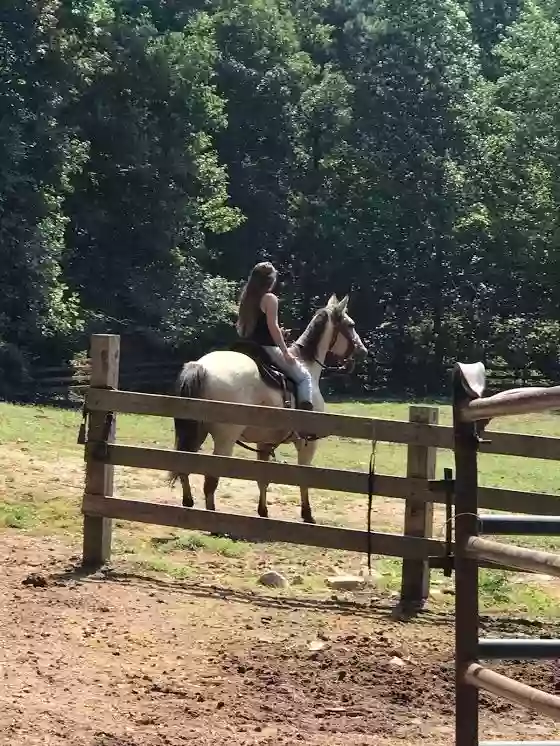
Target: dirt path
[(119, 660)]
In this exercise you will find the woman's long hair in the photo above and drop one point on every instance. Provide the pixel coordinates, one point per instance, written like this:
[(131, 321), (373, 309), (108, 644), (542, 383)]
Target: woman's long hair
[(261, 280)]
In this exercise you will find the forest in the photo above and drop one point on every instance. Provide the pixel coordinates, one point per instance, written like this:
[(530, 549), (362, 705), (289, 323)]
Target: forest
[(408, 153)]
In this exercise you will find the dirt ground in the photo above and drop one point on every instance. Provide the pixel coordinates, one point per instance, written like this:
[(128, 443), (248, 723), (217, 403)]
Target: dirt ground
[(113, 659)]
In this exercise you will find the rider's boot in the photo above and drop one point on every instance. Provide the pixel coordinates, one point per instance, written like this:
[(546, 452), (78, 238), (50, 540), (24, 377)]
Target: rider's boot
[(308, 406)]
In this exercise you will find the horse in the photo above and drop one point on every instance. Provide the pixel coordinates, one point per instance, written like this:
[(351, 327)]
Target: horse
[(232, 376)]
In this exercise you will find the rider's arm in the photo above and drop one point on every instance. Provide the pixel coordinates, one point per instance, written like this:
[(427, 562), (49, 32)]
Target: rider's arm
[(269, 305)]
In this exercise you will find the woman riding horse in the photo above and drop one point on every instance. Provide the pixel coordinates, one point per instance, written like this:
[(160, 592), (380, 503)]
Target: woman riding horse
[(230, 376), (258, 322)]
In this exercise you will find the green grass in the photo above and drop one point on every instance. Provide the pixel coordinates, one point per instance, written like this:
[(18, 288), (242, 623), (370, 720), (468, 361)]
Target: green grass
[(41, 473), (163, 565), (17, 516), (194, 542)]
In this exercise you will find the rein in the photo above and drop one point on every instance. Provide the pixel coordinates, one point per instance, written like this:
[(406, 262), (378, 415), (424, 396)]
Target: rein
[(346, 367), (270, 451)]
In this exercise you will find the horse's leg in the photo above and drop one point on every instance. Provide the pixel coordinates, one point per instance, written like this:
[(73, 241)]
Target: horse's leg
[(188, 501), (224, 439), (305, 451), (189, 436), (263, 454)]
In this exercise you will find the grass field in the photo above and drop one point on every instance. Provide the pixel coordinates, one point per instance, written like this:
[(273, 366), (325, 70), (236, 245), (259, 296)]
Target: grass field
[(41, 480)]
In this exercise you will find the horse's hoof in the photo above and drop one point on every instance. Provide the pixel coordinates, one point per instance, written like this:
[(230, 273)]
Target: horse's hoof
[(308, 518), (263, 512), (188, 503)]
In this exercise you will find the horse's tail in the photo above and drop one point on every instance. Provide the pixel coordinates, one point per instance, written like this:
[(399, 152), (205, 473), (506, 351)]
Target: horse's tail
[(189, 434)]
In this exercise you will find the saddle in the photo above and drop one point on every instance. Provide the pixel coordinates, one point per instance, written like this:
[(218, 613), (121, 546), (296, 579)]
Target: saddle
[(270, 373), (471, 378)]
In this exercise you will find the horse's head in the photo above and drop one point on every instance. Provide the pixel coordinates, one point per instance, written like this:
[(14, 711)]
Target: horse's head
[(345, 343), (331, 332)]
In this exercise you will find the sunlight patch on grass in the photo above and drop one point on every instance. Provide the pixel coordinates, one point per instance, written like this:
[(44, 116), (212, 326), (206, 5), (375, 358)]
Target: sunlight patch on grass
[(17, 516), (502, 591), (163, 565), (193, 542)]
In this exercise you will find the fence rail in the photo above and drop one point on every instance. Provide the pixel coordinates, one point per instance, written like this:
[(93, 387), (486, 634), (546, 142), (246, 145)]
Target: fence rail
[(523, 559), (483, 678), (509, 403), (263, 529), (320, 423)]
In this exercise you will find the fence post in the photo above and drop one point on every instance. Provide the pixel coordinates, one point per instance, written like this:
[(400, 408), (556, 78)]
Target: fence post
[(466, 568), (105, 352), (418, 519)]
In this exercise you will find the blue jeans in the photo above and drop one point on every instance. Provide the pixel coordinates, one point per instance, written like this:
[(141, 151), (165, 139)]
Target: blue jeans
[(295, 370)]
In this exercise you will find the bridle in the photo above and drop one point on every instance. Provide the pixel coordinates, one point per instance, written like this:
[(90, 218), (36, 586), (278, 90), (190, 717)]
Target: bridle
[(348, 363)]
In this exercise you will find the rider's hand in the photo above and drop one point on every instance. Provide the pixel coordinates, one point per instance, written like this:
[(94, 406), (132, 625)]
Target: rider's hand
[(289, 357)]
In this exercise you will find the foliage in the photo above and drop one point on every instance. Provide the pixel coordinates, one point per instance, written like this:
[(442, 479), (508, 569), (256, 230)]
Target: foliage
[(152, 152)]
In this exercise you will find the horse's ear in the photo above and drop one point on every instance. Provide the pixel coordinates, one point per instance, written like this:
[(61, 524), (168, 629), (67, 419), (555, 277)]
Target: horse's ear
[(333, 301), (343, 304)]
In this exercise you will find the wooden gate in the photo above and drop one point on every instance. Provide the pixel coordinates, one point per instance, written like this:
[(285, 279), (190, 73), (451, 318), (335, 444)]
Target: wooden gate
[(471, 414)]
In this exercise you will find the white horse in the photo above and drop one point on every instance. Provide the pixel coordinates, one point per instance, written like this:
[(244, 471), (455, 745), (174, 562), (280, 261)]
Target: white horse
[(231, 376)]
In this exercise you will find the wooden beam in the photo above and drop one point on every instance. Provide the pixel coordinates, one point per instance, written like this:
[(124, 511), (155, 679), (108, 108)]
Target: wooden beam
[(419, 514), (515, 501), (241, 468), (518, 557), (260, 529), (317, 477), (514, 401), (519, 444), (105, 355), (325, 424), (514, 691), (320, 423)]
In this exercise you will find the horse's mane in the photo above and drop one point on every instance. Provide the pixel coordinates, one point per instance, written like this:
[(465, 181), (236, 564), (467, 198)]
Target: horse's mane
[(308, 342)]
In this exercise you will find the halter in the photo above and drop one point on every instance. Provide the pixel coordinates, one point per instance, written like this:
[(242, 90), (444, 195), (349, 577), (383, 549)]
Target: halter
[(348, 364)]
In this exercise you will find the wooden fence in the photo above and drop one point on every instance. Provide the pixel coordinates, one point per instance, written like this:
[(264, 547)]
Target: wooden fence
[(100, 507), (419, 489), (68, 383), (469, 408)]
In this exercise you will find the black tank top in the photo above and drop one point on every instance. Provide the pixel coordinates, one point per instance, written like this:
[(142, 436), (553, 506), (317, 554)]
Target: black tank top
[(261, 334)]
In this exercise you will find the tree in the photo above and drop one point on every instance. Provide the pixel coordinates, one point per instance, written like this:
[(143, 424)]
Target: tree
[(153, 187), (39, 154)]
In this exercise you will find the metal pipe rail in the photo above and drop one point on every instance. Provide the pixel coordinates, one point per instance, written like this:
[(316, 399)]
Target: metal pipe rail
[(514, 401), (502, 686), (519, 525), (517, 557), (520, 648)]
